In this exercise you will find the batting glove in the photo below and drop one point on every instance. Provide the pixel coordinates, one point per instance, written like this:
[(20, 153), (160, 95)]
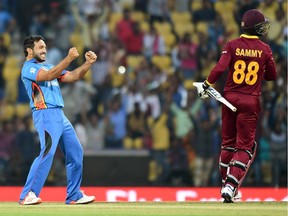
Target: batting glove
[(201, 89)]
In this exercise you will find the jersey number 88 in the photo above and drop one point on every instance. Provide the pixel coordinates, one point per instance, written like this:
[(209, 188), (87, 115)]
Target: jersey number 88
[(239, 74)]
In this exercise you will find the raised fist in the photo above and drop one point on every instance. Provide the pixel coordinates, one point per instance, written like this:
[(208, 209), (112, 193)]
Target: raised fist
[(73, 53), (91, 57)]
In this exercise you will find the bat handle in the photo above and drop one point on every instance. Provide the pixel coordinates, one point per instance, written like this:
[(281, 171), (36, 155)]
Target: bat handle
[(234, 109)]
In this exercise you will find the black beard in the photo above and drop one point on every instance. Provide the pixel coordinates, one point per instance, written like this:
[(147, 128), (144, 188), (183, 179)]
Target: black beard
[(38, 59)]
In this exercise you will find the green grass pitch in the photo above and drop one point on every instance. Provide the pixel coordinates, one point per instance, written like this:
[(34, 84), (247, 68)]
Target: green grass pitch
[(148, 209)]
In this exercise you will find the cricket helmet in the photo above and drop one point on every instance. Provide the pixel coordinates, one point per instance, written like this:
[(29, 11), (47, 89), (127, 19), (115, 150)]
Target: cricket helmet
[(254, 23)]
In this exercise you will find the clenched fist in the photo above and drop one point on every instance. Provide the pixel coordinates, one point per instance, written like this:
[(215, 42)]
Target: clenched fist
[(73, 53), (91, 57)]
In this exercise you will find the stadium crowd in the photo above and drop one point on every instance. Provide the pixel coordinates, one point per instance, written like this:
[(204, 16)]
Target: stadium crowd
[(139, 94)]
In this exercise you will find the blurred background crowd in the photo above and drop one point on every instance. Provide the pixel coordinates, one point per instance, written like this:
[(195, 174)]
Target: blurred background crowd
[(139, 94)]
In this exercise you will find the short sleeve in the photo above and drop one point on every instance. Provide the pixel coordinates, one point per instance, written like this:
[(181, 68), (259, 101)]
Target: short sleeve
[(30, 71), (60, 78)]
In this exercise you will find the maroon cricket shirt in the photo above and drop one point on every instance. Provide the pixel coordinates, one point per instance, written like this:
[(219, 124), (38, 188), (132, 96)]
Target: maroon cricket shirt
[(249, 60)]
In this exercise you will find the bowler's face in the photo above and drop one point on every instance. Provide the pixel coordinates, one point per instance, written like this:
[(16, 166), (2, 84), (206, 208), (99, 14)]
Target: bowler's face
[(39, 51)]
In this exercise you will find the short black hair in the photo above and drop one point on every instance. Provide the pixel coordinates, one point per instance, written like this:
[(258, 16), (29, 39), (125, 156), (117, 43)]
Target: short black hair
[(29, 42)]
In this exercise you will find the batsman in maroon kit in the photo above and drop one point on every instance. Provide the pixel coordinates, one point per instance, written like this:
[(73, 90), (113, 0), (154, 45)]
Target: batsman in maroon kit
[(249, 62)]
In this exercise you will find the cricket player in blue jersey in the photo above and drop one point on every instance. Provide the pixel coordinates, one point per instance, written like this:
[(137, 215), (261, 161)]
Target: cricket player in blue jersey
[(42, 85)]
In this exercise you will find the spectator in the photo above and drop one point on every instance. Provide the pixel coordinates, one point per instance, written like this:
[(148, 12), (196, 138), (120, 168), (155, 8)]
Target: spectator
[(278, 147), (95, 132), (40, 20), (216, 32), (77, 93), (178, 159), (158, 11), (207, 124), (142, 73), (81, 130), (141, 5), (124, 28), (182, 5), (90, 130), (137, 37), (206, 13), (134, 95), (3, 57), (153, 44), (265, 159), (136, 126), (244, 6), (206, 54), (160, 136), (26, 142), (100, 75), (176, 62), (92, 21), (187, 54), (61, 25), (7, 143), (115, 123), (54, 53), (153, 101), (184, 128), (91, 126), (88, 7), (7, 21), (276, 36), (176, 90)]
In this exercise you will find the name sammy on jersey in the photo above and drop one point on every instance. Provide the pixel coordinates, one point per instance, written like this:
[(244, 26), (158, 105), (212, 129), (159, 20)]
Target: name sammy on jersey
[(248, 52)]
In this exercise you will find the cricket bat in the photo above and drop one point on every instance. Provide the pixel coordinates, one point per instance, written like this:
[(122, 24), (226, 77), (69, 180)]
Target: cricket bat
[(213, 93)]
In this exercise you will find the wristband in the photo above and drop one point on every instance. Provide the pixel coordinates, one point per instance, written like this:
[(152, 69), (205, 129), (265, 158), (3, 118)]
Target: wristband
[(205, 85)]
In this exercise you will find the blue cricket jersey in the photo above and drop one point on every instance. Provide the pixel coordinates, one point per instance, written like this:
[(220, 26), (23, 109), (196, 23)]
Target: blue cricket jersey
[(45, 94)]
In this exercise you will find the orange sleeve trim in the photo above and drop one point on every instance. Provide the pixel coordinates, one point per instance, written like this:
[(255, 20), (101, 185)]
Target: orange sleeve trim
[(61, 78)]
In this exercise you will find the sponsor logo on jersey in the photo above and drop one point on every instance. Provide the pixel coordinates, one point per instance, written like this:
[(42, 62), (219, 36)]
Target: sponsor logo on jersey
[(32, 70)]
